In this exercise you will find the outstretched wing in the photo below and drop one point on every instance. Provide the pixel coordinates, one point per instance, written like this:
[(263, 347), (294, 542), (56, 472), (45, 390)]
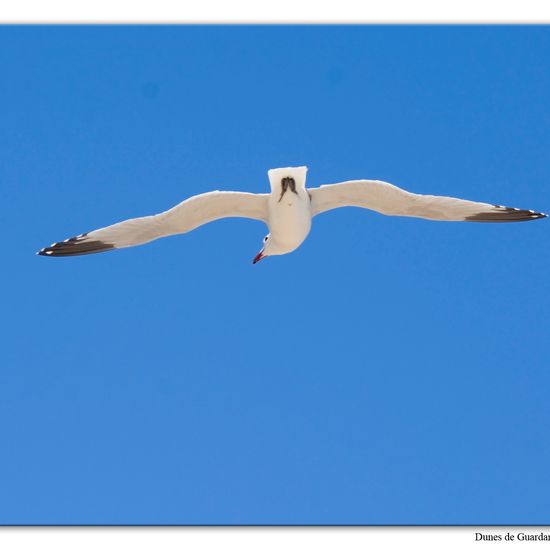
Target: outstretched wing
[(184, 217), (393, 201)]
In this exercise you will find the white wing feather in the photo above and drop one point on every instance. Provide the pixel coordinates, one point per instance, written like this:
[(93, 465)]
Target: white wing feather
[(391, 200), (184, 217)]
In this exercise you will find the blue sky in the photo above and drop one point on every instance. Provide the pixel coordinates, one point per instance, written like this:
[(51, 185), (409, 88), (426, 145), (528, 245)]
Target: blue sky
[(389, 371)]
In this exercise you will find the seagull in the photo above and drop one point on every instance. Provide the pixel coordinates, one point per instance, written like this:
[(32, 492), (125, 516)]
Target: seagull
[(287, 211)]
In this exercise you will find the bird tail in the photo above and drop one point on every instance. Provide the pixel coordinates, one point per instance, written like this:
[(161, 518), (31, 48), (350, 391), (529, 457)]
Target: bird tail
[(277, 175)]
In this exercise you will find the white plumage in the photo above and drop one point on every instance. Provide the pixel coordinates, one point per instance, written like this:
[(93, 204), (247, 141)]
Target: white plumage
[(391, 200), (287, 211)]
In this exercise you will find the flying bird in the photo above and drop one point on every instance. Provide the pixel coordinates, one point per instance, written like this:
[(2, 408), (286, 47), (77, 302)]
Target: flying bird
[(287, 211)]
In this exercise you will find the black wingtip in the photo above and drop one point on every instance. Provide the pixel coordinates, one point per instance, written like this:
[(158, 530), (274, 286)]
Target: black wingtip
[(506, 214), (75, 246)]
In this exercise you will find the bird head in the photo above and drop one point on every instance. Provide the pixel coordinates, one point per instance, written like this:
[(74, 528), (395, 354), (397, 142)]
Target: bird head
[(264, 252)]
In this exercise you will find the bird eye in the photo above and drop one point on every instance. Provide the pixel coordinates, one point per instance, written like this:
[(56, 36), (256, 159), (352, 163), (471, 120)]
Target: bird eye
[(265, 238)]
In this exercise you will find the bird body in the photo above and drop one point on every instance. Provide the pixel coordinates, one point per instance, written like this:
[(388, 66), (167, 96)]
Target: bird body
[(288, 211)]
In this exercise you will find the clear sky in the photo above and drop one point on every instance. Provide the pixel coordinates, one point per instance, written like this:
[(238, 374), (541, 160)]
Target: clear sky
[(391, 370)]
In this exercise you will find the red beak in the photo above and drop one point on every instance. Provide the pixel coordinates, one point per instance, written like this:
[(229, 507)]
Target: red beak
[(258, 257)]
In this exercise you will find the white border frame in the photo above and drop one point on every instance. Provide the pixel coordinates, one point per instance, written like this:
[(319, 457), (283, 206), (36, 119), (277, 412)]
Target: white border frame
[(275, 11)]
